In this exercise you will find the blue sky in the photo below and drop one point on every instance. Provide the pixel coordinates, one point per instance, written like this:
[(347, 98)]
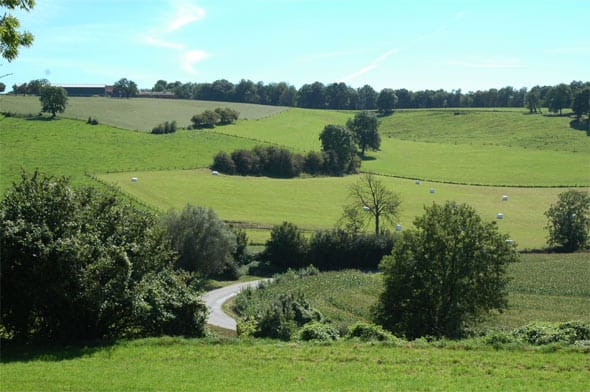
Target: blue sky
[(466, 45)]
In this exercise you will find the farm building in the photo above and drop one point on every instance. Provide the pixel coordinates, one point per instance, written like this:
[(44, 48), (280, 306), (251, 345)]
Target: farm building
[(87, 90)]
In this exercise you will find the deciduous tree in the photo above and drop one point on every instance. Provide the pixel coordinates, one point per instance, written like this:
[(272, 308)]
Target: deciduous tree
[(365, 126), (386, 101), (53, 100), (11, 39), (445, 274), (569, 221), (125, 88), (340, 147)]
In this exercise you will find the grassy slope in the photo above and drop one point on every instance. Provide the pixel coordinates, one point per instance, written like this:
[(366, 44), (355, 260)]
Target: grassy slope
[(69, 147), (544, 287), (189, 365), (314, 203), (138, 113)]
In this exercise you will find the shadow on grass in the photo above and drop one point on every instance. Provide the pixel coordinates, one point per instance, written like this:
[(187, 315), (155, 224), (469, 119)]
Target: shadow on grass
[(366, 158), (581, 125), (20, 352)]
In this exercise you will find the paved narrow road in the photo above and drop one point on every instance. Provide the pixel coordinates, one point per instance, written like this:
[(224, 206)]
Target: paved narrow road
[(214, 299)]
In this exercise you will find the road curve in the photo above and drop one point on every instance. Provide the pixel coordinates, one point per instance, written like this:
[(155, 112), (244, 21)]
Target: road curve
[(214, 299)]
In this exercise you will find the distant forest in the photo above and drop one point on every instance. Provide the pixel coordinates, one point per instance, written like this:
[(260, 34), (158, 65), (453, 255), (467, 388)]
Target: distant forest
[(341, 96)]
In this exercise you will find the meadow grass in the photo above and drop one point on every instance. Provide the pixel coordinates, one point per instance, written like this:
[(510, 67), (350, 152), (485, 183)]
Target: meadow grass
[(543, 287), (230, 365), (135, 113), (314, 203), (72, 148)]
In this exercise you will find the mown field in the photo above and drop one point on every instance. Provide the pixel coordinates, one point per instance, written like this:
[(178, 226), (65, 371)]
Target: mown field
[(188, 365), (176, 364), (136, 114), (543, 287)]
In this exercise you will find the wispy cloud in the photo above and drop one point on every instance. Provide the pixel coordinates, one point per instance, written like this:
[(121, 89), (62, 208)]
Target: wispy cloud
[(185, 13), (329, 55), (158, 42), (487, 63), (190, 58), (374, 64)]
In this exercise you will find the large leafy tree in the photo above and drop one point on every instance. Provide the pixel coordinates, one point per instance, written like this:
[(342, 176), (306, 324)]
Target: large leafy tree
[(386, 101), (11, 39), (53, 100), (82, 264), (339, 146), (533, 99), (581, 104), (569, 221), (372, 196), (365, 126), (445, 274), (125, 88), (559, 97)]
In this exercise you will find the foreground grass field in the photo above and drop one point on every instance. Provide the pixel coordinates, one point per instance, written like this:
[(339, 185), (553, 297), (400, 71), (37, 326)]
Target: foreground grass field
[(543, 287), (137, 113), (316, 203), (168, 364)]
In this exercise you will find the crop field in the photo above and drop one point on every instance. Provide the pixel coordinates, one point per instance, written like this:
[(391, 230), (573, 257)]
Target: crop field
[(316, 203), (544, 287), (231, 365), (139, 113)]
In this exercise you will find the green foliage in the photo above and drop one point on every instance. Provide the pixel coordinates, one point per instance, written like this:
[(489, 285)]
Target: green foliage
[(164, 128), (367, 332), (223, 162), (386, 101), (546, 333), (206, 119), (10, 38), (53, 100), (92, 121), (81, 264), (287, 247), (559, 97), (365, 126), (445, 274), (227, 115), (581, 104), (569, 221), (318, 331), (340, 147), (204, 243), (125, 88)]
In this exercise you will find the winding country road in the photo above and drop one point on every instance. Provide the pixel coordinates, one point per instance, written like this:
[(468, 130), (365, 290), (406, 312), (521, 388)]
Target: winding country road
[(214, 299)]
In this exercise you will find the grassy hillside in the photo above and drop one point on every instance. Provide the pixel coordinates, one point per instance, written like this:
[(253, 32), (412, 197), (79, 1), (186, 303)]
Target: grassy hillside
[(176, 364), (69, 147), (316, 203), (135, 113), (544, 287)]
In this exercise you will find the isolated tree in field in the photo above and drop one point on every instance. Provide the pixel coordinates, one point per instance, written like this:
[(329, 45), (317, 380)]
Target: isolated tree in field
[(125, 88), (559, 97), (227, 115), (82, 264), (569, 221), (11, 39), (205, 244), (364, 126), (371, 195), (53, 100), (340, 147), (206, 119), (386, 101), (533, 99), (445, 274)]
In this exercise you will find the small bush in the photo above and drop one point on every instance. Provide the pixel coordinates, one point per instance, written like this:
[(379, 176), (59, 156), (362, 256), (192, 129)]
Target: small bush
[(318, 331), (369, 332), (287, 247), (207, 119), (227, 115), (546, 333), (164, 128), (92, 121), (223, 162)]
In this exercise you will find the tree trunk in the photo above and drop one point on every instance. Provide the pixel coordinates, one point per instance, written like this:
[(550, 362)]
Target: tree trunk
[(377, 224)]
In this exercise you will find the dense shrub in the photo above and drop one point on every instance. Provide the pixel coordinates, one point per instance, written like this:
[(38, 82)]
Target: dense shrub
[(227, 115), (546, 333), (337, 249), (207, 119), (369, 332), (246, 162), (287, 247), (223, 162), (313, 163), (82, 264), (205, 244), (318, 331), (164, 128), (92, 121)]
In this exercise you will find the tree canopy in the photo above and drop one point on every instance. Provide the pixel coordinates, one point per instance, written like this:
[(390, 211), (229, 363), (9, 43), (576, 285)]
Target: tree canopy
[(365, 126), (569, 221), (445, 274), (339, 145), (125, 88), (11, 39), (53, 100)]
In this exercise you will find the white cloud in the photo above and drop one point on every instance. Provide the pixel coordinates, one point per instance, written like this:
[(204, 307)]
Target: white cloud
[(153, 41), (190, 58), (374, 64), (185, 13)]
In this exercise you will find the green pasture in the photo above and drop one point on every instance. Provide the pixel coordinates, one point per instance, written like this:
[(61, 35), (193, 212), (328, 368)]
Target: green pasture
[(543, 287), (507, 128), (136, 113), (316, 202), (72, 148), (176, 364)]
